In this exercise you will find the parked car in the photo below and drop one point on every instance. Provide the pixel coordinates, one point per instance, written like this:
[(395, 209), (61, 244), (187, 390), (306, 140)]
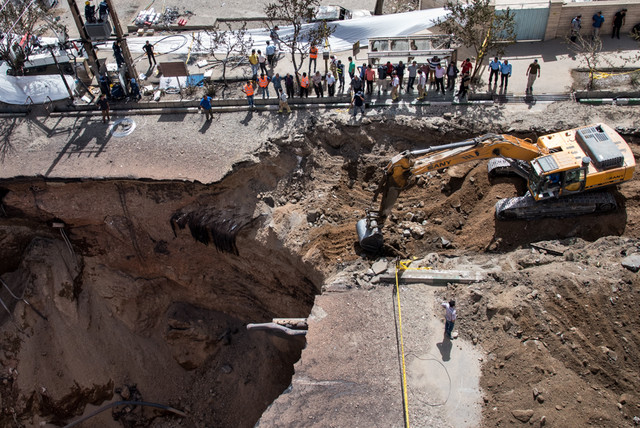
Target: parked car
[(337, 13)]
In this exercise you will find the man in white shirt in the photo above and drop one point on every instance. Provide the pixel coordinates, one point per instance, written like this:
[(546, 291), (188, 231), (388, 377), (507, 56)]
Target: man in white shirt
[(395, 84), (422, 84), (450, 317)]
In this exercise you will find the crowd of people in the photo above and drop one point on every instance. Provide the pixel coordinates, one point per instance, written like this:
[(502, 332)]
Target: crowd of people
[(437, 75)]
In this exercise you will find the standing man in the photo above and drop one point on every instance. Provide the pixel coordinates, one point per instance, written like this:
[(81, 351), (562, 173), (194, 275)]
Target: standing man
[(304, 86), (494, 69), (253, 61), (205, 105), (464, 86), (103, 103), (357, 103), (117, 53), (449, 317), (148, 49), (271, 54), (618, 22), (452, 75), (576, 25), (422, 83), (317, 84), (263, 82), (533, 72), (466, 66), (89, 12), (340, 74), (395, 84), (400, 72), (262, 61), (440, 78), (352, 68), (331, 84), (284, 104), (413, 72), (370, 76), (505, 73), (276, 81), (275, 39), (313, 57), (382, 78), (248, 90), (289, 85), (597, 19), (103, 11)]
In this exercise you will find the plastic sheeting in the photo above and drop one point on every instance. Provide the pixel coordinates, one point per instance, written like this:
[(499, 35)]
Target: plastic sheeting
[(346, 34), (18, 89)]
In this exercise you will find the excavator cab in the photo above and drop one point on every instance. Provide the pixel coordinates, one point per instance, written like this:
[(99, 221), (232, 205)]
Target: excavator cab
[(547, 180)]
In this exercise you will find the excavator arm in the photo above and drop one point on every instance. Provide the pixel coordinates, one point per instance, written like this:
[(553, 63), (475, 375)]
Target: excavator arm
[(405, 167)]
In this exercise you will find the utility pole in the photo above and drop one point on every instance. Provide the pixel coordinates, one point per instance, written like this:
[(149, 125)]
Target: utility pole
[(128, 59), (86, 43)]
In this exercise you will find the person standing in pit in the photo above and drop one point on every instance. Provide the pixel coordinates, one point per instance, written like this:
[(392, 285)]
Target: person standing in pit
[(533, 72), (284, 104), (89, 12), (450, 317)]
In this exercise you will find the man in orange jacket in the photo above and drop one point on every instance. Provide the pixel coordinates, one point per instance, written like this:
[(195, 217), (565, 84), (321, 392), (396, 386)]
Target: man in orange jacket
[(304, 85), (313, 58), (248, 90), (263, 82)]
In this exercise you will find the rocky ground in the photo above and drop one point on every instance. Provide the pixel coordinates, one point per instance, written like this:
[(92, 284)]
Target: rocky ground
[(554, 320)]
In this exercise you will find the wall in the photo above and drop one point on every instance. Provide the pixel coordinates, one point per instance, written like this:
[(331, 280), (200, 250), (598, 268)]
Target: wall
[(560, 17)]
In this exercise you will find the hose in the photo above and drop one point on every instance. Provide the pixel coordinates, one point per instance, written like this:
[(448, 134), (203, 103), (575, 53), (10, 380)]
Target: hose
[(133, 403)]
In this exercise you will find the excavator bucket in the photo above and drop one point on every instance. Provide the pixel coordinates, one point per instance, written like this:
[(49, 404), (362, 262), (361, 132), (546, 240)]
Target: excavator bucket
[(369, 236)]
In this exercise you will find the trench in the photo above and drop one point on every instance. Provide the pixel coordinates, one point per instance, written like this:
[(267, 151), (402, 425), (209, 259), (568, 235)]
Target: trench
[(150, 298)]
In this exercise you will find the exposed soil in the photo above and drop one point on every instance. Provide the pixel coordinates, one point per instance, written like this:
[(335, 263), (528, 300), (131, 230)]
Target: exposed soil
[(141, 307)]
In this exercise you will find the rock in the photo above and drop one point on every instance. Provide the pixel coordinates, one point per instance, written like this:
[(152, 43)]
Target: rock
[(409, 216), (445, 242), (632, 262), (522, 415), (636, 420), (269, 201), (540, 399), (447, 116), (125, 393), (619, 406), (474, 340), (406, 233), (417, 231), (624, 399), (226, 369), (558, 408), (380, 266), (535, 392), (476, 296), (437, 220), (543, 421), (313, 216), (507, 323)]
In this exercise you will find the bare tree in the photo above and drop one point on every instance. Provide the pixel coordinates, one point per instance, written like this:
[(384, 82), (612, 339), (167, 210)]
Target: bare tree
[(21, 22), (588, 49), (229, 46), (477, 25), (296, 14)]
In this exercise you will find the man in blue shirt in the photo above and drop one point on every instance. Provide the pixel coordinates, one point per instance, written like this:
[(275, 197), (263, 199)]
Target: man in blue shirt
[(494, 68), (505, 73), (271, 54), (598, 19), (205, 104)]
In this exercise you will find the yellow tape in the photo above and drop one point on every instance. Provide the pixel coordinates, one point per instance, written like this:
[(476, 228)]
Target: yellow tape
[(604, 75), (404, 265), (404, 369)]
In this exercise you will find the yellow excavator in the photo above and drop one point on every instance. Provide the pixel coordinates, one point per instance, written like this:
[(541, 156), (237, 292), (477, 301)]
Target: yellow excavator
[(562, 170)]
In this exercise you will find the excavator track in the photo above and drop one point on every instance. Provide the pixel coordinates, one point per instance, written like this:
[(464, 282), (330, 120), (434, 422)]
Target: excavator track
[(527, 208)]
